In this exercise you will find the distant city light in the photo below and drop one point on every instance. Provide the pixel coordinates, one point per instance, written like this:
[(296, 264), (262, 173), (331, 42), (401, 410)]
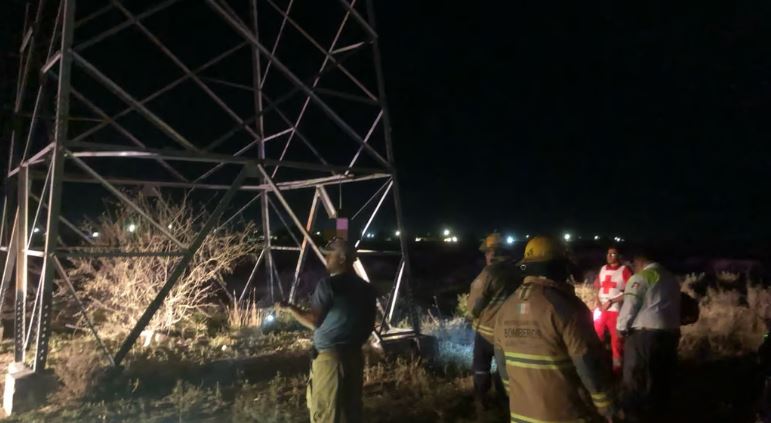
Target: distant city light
[(510, 239), (596, 237), (35, 230), (451, 239), (446, 232), (567, 237), (398, 233), (455, 239), (132, 227), (94, 234)]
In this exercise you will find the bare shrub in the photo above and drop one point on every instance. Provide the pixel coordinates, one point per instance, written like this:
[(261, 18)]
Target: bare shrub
[(117, 290), (728, 277), (726, 326), (585, 291), (689, 281)]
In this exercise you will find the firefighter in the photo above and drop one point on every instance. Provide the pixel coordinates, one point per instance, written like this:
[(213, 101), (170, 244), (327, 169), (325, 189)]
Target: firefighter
[(554, 360), (342, 316), (609, 285), (497, 280), (649, 321)]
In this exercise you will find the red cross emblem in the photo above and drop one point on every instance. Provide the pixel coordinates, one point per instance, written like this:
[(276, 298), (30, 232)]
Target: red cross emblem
[(607, 284)]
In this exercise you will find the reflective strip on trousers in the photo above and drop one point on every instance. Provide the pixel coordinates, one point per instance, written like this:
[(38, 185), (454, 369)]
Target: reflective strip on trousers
[(601, 400), (518, 418)]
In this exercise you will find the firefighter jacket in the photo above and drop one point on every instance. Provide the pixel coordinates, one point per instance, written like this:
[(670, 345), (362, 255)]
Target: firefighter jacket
[(488, 292), (651, 301), (554, 361)]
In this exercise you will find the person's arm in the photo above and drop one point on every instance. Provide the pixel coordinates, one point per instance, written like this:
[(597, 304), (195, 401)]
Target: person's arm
[(479, 294), (633, 298), (321, 302), (586, 353), (308, 318)]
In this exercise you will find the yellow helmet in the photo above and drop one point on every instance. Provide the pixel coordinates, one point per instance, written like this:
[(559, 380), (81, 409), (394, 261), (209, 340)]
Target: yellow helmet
[(493, 241), (542, 249)]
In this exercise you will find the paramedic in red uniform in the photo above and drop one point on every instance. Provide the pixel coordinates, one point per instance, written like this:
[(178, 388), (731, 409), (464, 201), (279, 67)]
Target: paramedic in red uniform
[(609, 285)]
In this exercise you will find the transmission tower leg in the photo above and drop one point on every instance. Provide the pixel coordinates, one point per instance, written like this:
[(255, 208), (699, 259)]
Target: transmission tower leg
[(25, 387), (405, 273)]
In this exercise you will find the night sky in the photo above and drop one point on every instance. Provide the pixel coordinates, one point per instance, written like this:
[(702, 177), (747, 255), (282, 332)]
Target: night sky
[(651, 123)]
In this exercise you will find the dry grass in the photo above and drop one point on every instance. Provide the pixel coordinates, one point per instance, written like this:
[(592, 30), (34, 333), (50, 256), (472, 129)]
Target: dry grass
[(401, 390), (246, 315), (79, 369), (730, 324)]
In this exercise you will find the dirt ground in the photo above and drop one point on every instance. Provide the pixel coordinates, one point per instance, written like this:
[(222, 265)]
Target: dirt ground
[(269, 387)]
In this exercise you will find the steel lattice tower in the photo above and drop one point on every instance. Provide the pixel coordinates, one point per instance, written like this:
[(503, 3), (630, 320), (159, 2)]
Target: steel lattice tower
[(273, 107)]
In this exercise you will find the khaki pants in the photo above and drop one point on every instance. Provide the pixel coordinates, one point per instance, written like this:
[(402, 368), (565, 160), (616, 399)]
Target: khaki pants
[(334, 386)]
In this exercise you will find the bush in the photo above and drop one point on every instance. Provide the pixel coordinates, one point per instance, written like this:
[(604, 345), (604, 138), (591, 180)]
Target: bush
[(729, 324), (117, 290), (585, 291)]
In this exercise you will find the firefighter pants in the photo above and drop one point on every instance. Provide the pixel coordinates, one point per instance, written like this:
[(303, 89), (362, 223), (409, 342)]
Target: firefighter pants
[(650, 360), (481, 365), (334, 386), (607, 323)]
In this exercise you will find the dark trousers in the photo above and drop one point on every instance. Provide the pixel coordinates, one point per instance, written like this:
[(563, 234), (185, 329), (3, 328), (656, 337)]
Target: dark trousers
[(650, 361), (484, 352)]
